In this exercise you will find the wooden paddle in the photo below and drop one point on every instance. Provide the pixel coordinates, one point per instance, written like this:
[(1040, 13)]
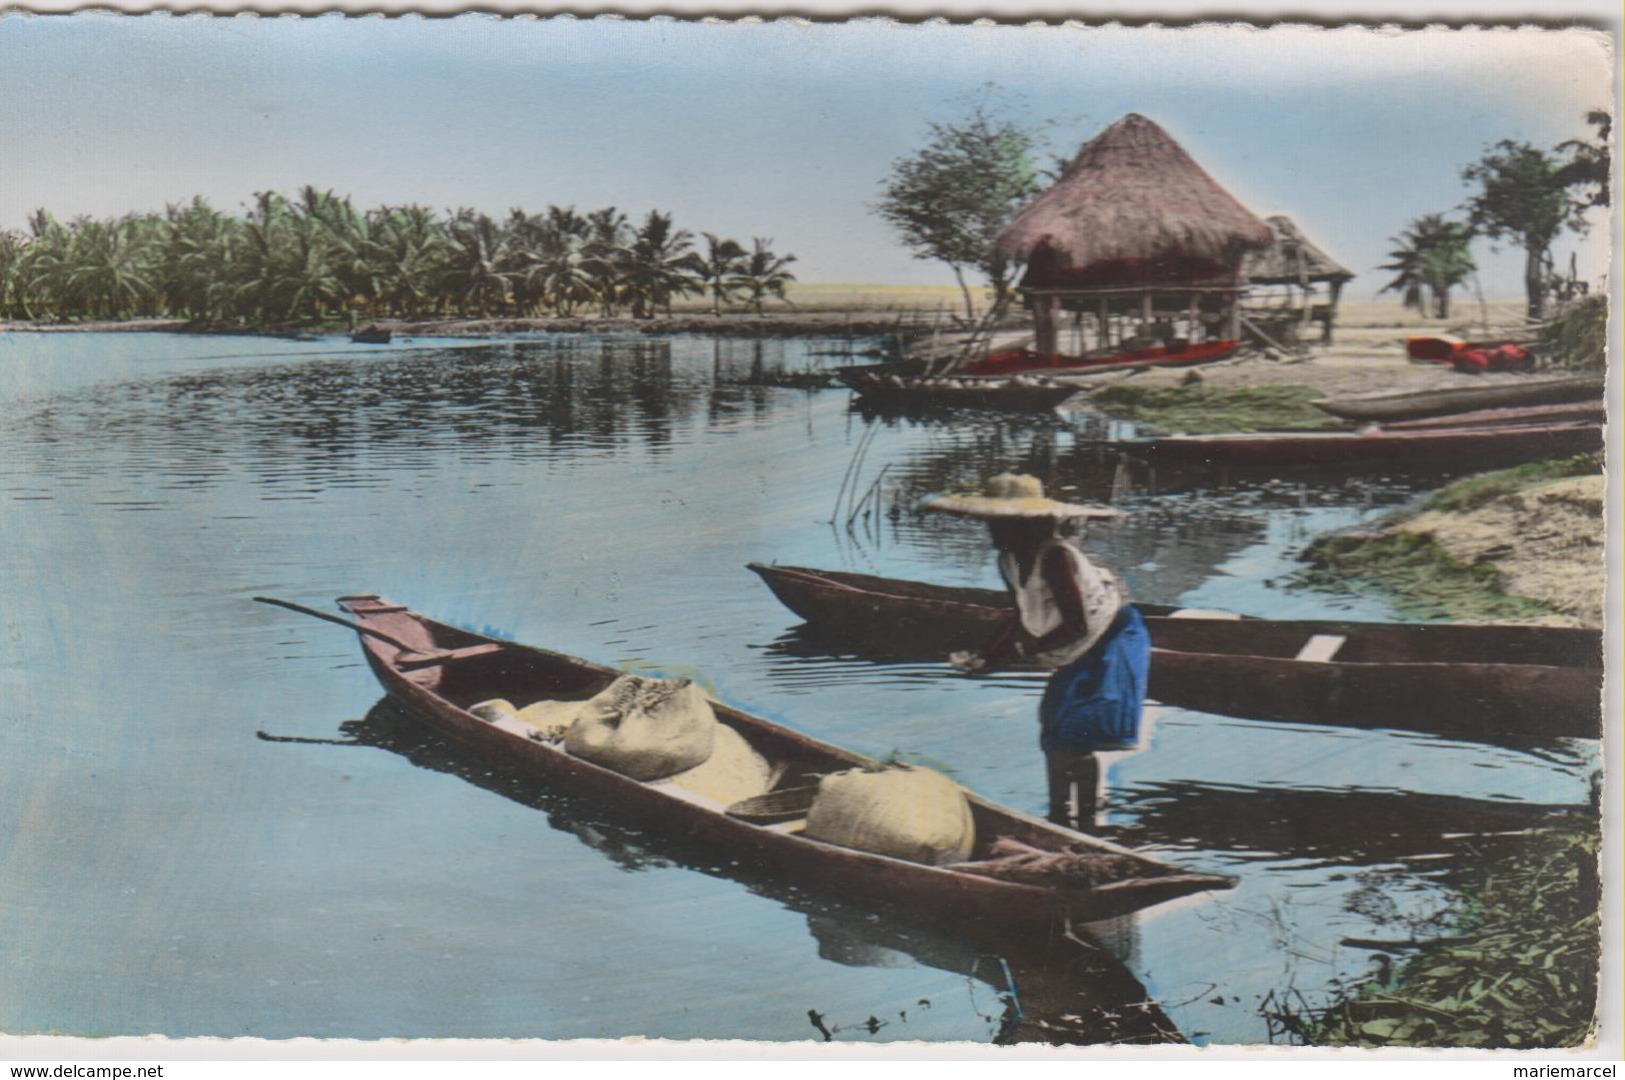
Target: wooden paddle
[(410, 655)]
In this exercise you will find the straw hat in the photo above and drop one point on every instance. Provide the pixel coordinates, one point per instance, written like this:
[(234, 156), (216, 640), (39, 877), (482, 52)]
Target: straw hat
[(1010, 495)]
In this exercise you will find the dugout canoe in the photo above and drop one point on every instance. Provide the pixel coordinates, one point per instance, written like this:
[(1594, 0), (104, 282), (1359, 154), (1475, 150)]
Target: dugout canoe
[(1469, 680), (1487, 446), (1016, 394), (435, 671), (1027, 361), (371, 335), (1593, 411), (1506, 393)]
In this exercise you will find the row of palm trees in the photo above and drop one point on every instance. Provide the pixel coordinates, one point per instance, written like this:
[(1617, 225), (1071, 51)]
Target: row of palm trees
[(315, 257)]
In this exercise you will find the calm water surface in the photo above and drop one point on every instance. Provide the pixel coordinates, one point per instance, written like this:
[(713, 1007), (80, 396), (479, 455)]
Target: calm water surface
[(209, 825)]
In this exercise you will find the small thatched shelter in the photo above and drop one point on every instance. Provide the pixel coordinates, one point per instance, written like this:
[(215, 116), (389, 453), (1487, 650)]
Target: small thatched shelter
[(1296, 264), (1133, 223)]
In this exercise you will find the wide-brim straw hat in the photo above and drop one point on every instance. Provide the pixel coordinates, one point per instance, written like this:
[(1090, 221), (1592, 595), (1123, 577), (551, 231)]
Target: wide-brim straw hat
[(1010, 495)]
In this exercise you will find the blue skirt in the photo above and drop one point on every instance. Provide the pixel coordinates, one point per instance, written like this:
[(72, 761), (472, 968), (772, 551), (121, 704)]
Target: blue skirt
[(1094, 702)]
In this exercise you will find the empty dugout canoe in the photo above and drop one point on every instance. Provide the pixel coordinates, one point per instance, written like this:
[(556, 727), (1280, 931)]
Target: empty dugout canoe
[(1468, 680)]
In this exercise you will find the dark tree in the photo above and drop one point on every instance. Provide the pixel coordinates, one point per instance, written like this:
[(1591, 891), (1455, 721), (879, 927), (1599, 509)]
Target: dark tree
[(1522, 198)]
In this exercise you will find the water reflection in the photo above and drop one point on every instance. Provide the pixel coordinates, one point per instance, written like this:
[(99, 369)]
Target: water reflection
[(1329, 827), (328, 421), (1068, 989), (602, 495)]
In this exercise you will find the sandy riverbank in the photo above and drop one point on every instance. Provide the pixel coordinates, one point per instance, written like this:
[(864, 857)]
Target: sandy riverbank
[(1523, 544)]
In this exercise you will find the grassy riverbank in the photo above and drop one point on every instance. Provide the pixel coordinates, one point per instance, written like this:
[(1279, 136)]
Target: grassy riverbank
[(1521, 543), (1200, 409), (1519, 969)]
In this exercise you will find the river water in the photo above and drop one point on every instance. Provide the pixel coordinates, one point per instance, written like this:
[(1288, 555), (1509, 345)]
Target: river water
[(210, 825)]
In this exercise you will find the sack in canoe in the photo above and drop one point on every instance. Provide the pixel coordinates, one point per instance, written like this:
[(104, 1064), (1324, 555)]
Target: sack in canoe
[(647, 729), (734, 771), (494, 710), (906, 812), (552, 719)]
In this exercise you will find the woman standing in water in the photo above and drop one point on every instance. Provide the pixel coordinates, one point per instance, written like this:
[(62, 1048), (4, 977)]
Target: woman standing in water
[(1071, 615)]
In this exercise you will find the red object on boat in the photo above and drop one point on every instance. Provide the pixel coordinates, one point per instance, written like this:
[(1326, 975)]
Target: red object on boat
[(1468, 356), (1017, 361), (1439, 347), (1500, 358)]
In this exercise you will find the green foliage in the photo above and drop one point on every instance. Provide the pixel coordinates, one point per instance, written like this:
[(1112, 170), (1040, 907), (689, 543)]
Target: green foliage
[(719, 268), (1433, 256), (1421, 578), (315, 257), (658, 267), (1523, 198), (950, 200), (1476, 491), (1520, 970), (1587, 164), (1205, 410), (764, 273), (1578, 338)]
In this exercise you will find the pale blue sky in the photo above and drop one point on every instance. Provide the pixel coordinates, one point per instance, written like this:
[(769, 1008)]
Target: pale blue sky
[(777, 130)]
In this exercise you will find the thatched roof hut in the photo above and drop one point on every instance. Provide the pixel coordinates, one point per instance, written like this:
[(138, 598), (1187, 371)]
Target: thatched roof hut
[(1293, 259), (1133, 210)]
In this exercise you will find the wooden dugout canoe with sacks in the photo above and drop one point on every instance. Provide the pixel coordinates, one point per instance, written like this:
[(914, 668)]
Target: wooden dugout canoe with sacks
[(435, 672), (1468, 680)]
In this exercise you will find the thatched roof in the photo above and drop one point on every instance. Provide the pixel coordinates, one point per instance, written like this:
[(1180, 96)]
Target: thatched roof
[(1132, 207), (1293, 259)]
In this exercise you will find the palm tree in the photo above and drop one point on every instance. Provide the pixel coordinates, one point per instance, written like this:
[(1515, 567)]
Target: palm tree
[(407, 254), (43, 269), (1433, 256), (660, 265), (564, 263), (13, 249), (764, 273), (198, 267), (347, 237), (109, 271), (719, 268), (607, 252), (291, 273), (475, 276)]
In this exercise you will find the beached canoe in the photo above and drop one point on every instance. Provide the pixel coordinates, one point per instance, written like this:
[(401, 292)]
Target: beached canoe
[(435, 671), (1587, 411), (1501, 394), (1015, 394), (371, 335), (1026, 361), (1462, 679), (1486, 447)]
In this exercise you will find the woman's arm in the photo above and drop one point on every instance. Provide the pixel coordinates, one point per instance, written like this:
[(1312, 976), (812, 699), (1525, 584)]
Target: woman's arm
[(995, 651)]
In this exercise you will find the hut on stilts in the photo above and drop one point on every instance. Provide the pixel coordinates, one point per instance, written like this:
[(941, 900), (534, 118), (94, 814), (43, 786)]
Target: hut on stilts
[(1133, 246), (1293, 271)]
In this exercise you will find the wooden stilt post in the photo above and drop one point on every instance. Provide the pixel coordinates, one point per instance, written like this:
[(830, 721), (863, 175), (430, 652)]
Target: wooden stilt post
[(1331, 314), (1234, 332), (1105, 341), (1044, 324)]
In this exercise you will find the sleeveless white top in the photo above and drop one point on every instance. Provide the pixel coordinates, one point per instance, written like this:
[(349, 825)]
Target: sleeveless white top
[(1103, 598)]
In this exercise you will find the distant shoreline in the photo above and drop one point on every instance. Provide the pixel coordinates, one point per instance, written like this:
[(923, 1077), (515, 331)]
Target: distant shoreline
[(793, 324)]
